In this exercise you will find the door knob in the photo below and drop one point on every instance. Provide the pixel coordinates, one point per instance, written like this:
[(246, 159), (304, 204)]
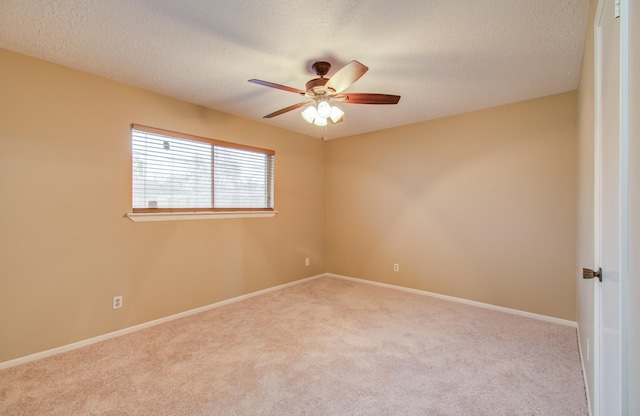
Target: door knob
[(590, 274)]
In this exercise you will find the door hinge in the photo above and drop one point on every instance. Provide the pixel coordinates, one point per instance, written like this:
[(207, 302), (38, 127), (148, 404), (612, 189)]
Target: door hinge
[(617, 9)]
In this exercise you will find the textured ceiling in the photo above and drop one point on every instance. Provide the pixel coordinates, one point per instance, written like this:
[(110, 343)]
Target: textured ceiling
[(443, 57)]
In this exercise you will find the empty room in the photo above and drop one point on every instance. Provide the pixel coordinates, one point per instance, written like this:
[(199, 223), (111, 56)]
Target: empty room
[(335, 208)]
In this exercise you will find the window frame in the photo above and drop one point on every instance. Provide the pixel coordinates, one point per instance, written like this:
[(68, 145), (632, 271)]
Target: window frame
[(163, 214)]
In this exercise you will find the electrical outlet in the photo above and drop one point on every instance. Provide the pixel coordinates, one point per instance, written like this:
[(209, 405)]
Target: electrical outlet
[(396, 267), (307, 261), (117, 302)]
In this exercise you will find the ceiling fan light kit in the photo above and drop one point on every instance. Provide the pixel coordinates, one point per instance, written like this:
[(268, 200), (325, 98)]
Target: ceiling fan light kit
[(323, 90), (321, 115)]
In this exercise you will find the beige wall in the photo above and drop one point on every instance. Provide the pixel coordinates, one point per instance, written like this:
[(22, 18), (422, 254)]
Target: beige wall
[(65, 248), (480, 206)]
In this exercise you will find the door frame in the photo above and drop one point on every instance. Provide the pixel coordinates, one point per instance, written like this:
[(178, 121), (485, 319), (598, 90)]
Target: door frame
[(623, 395)]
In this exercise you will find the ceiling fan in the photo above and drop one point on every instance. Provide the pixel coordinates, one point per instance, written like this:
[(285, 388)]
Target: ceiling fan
[(322, 91)]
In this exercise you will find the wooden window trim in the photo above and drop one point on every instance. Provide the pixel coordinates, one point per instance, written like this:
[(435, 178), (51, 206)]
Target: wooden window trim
[(170, 133), (180, 211), (167, 210)]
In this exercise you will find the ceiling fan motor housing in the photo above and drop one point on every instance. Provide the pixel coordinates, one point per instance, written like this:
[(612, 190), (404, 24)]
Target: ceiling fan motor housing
[(316, 87), (321, 68)]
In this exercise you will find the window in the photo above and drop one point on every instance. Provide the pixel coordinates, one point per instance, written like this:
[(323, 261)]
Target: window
[(175, 172)]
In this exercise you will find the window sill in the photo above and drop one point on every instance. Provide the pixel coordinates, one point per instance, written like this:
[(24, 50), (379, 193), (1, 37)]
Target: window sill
[(185, 216)]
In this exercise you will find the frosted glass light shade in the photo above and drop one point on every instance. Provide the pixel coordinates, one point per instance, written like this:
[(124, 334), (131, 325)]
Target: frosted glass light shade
[(309, 114), (320, 121), (336, 114), (324, 109)]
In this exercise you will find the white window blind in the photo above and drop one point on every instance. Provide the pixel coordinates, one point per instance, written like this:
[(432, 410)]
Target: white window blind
[(179, 172)]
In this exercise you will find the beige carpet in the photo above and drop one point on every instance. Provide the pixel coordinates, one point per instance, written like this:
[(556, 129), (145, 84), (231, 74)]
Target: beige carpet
[(324, 347)]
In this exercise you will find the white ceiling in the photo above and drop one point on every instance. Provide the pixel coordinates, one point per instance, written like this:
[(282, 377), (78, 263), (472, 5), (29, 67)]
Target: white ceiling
[(443, 57)]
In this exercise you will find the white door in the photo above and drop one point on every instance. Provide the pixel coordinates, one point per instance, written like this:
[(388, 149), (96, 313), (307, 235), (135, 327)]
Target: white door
[(611, 221)]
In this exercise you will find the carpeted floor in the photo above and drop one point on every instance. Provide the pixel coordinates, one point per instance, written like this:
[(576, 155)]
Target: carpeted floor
[(323, 347)]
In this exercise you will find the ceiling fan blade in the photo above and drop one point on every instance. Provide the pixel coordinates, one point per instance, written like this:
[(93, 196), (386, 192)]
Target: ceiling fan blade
[(364, 98), (346, 76), (277, 86), (287, 109)]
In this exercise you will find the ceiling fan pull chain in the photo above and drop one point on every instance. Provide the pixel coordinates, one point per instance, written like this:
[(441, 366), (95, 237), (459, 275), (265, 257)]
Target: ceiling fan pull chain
[(325, 136)]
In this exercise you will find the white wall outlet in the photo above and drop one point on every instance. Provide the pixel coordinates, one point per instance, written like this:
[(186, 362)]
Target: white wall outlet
[(117, 302), (307, 261), (396, 267)]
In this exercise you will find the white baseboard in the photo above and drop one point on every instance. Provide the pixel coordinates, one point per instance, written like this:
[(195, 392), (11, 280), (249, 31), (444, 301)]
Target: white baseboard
[(460, 300), (104, 337)]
